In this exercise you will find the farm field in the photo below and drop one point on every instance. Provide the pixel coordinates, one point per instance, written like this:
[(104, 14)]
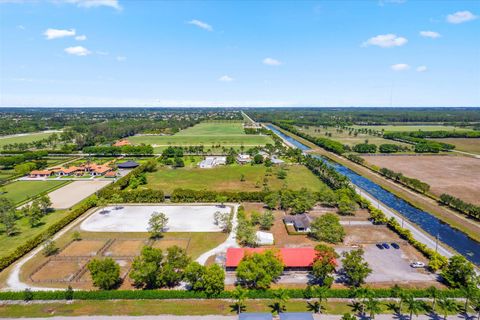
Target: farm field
[(350, 140), (456, 175), (227, 178), (423, 127), (62, 198), (463, 144), (208, 134), (24, 138), (19, 191)]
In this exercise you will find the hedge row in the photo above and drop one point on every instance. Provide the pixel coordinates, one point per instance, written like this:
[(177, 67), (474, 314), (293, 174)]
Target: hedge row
[(187, 195), (54, 228), (183, 294)]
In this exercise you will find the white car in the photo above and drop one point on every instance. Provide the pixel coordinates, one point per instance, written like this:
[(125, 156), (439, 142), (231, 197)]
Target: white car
[(417, 264)]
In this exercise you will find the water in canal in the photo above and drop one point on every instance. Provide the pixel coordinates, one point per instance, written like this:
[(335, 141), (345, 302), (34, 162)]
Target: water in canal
[(454, 238)]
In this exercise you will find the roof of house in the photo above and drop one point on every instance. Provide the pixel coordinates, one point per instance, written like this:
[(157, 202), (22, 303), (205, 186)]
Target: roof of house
[(128, 165), (70, 169), (121, 143), (296, 316), (41, 172), (299, 220), (111, 174), (291, 257), (254, 316)]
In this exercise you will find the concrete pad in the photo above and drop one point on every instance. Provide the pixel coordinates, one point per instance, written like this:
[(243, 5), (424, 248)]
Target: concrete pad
[(72, 193), (181, 218)]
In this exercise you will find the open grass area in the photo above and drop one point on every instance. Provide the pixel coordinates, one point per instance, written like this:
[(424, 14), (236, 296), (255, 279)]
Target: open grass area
[(227, 178), (463, 144), (208, 134), (20, 191), (423, 127), (341, 135), (24, 138)]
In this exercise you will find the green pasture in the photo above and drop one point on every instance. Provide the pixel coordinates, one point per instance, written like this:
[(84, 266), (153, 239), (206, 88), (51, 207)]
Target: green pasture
[(20, 191), (422, 127), (26, 138)]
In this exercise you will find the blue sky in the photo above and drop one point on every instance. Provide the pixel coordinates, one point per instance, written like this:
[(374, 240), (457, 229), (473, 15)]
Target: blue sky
[(244, 53)]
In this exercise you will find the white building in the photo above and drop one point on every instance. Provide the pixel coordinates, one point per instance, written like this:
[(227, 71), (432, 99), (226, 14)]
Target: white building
[(243, 158), (264, 238), (211, 162)]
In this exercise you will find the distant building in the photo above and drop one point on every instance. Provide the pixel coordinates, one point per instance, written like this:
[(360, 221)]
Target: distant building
[(292, 258), (276, 161), (211, 162), (244, 158), (41, 173), (121, 143), (127, 165), (111, 174), (301, 222)]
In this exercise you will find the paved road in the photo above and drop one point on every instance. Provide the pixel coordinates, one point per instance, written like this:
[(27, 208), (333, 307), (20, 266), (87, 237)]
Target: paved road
[(416, 231)]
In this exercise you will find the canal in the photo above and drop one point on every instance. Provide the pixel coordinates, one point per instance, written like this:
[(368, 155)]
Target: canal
[(452, 237)]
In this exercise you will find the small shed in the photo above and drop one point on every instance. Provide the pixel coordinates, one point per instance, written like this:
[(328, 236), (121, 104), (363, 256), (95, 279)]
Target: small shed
[(128, 165), (255, 316), (296, 316), (264, 238)]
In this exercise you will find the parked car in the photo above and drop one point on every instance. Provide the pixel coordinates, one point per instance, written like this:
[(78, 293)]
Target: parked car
[(395, 245), (417, 264), (385, 245), (379, 246)]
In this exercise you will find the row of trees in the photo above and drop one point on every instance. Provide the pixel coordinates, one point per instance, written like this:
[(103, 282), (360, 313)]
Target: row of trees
[(413, 183), (421, 145), (115, 151), (469, 209)]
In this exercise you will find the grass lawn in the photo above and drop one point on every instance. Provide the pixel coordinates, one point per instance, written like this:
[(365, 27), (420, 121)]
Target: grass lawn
[(19, 191), (208, 134), (422, 127), (29, 137), (227, 178), (347, 139), (463, 144)]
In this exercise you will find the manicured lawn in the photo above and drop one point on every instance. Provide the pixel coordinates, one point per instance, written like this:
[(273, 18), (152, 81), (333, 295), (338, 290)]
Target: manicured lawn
[(471, 145), (227, 178), (345, 138), (30, 137), (207, 134), (19, 191)]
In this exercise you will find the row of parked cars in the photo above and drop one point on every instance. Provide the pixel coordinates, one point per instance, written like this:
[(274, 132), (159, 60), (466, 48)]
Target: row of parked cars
[(385, 245)]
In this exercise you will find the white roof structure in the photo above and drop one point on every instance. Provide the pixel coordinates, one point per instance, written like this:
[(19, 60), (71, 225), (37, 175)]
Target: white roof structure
[(264, 238), (277, 161), (211, 162)]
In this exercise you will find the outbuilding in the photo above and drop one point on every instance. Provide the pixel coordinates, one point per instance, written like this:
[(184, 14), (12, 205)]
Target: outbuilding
[(296, 316), (127, 165)]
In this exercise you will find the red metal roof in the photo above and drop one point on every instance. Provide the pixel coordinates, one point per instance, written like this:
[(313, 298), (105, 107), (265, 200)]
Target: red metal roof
[(291, 257)]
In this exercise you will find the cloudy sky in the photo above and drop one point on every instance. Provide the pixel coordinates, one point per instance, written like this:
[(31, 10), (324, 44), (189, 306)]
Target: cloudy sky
[(225, 53)]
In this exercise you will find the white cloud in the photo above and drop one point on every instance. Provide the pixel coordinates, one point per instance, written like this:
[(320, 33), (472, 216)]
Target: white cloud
[(121, 58), (21, 27), (58, 33), (95, 3), (201, 24), (225, 78), (460, 17), (271, 62), (400, 67), (422, 68), (78, 51), (386, 41), (430, 34), (81, 38)]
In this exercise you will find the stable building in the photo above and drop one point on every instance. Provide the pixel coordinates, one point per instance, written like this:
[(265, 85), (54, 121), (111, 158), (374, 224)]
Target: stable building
[(244, 158), (294, 259), (211, 162), (41, 173)]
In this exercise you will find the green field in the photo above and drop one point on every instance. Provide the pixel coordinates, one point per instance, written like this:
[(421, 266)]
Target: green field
[(227, 178), (29, 137), (19, 191), (342, 136), (208, 134), (470, 145), (412, 128)]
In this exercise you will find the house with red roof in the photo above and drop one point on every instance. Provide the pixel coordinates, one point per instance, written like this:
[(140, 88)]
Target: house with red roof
[(300, 259)]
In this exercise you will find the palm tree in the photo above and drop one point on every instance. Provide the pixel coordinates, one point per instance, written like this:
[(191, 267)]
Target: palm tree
[(447, 305), (317, 306), (476, 305), (397, 292), (433, 293), (373, 307), (470, 291), (240, 295), (413, 306), (280, 297)]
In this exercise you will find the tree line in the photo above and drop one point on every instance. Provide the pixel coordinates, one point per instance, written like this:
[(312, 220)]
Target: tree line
[(469, 209), (413, 183)]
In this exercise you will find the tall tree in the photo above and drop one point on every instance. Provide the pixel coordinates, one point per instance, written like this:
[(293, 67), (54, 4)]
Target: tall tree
[(157, 224), (355, 268), (105, 273)]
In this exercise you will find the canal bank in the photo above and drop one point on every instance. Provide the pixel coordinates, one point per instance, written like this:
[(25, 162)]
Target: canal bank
[(421, 222)]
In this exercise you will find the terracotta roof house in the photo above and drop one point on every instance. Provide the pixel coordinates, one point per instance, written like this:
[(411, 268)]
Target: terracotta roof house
[(69, 171), (111, 174), (121, 143), (41, 173), (293, 258)]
